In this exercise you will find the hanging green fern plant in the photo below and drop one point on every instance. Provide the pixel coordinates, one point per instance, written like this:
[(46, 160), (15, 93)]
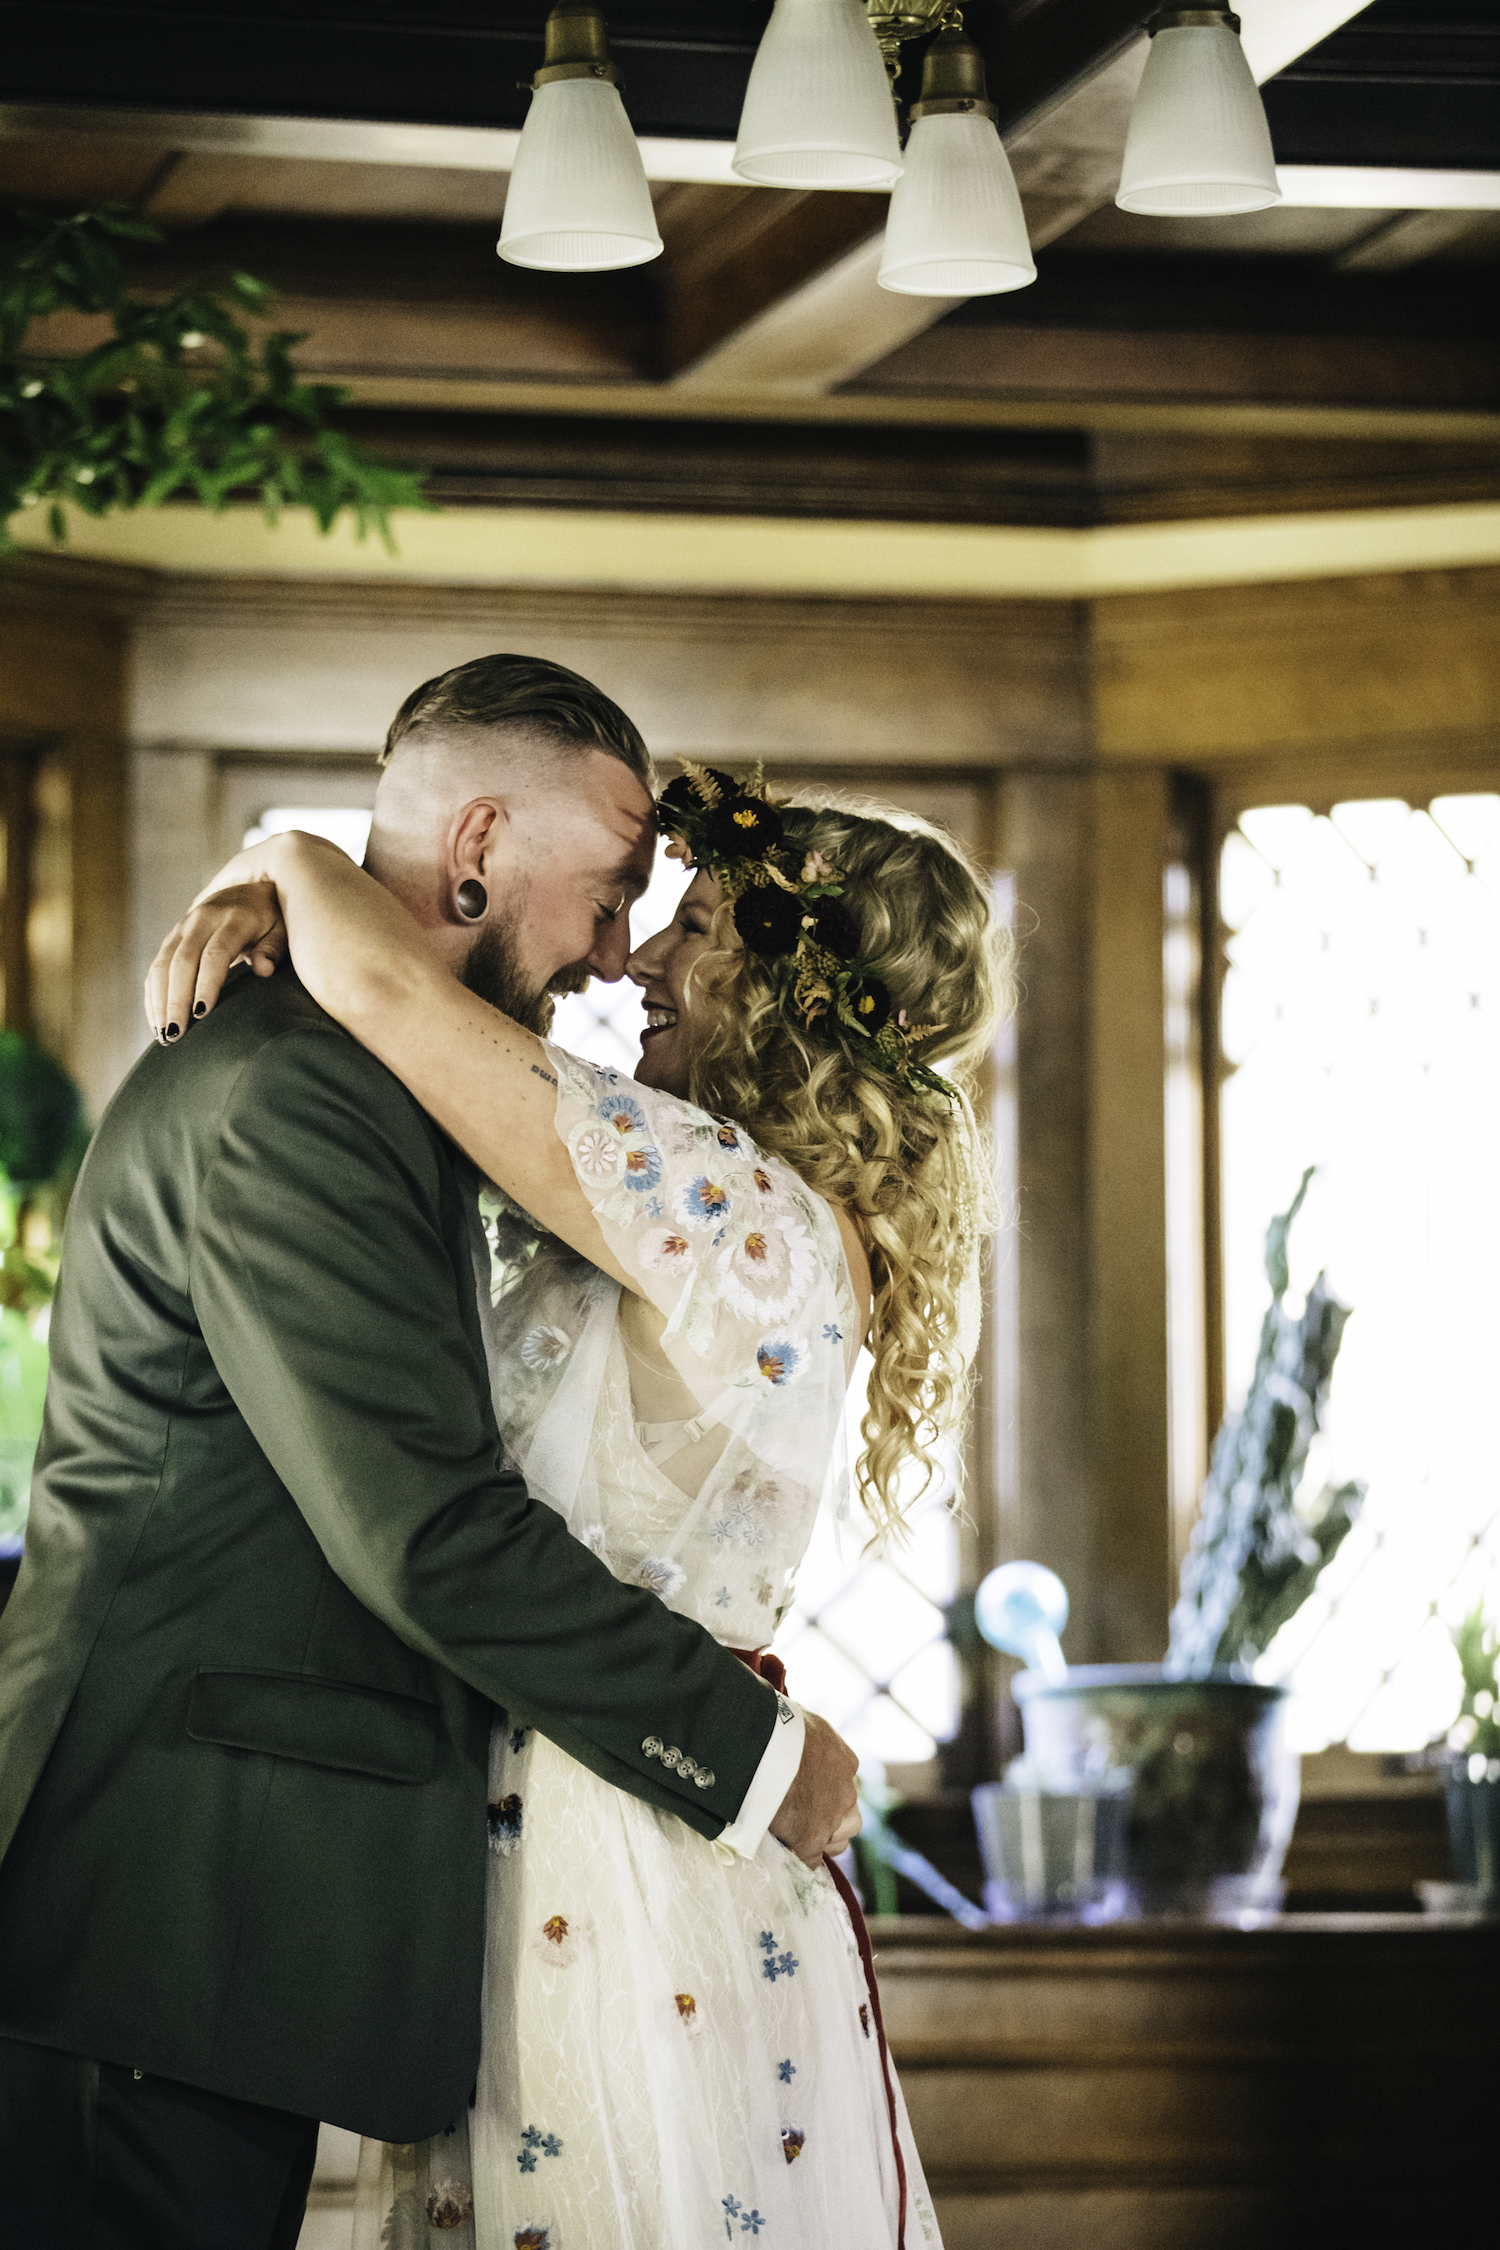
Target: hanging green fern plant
[(179, 401)]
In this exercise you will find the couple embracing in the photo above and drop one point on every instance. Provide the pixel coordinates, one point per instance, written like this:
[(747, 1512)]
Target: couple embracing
[(388, 1732)]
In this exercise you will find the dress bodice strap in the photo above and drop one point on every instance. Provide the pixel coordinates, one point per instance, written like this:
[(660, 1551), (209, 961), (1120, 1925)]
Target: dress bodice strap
[(771, 1669)]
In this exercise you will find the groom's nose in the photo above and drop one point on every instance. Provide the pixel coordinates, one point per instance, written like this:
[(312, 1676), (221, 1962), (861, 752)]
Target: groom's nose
[(612, 949)]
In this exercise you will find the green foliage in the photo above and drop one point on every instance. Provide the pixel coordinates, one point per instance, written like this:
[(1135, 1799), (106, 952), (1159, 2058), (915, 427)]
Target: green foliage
[(23, 1386), (142, 418), (1477, 1727), (1257, 1550), (40, 1108), (42, 1140)]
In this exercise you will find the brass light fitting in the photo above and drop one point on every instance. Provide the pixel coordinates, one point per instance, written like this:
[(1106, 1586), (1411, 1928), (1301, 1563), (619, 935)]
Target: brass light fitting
[(953, 83), (577, 45), (896, 21), (1192, 19)]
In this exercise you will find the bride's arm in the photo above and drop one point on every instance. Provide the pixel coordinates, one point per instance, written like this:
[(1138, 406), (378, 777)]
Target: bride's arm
[(487, 1082)]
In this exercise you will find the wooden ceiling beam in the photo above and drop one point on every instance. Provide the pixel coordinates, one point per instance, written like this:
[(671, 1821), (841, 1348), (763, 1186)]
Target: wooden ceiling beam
[(1063, 76)]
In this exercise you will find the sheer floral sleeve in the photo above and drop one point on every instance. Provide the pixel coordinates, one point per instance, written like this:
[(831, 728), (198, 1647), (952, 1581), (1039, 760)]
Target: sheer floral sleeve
[(746, 1267)]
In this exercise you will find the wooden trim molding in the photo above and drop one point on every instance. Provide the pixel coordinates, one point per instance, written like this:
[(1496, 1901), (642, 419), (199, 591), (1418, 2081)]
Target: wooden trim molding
[(1180, 2085)]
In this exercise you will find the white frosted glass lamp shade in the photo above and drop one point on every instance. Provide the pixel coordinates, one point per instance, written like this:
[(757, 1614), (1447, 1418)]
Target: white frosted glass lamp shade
[(578, 200), (818, 110), (956, 227), (1198, 145)]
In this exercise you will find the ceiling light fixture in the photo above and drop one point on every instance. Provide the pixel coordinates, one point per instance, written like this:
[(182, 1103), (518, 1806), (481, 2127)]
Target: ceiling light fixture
[(956, 227), (578, 199), (1198, 145), (818, 111)]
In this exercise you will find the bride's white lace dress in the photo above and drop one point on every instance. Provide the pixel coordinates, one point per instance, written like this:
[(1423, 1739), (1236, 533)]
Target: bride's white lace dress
[(678, 2041)]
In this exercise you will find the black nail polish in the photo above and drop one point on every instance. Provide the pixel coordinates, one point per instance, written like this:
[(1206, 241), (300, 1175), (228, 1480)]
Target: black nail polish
[(172, 1031), (200, 1007)]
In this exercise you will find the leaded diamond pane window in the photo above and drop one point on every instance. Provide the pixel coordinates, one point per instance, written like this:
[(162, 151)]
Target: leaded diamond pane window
[(865, 1643), (1361, 1033)]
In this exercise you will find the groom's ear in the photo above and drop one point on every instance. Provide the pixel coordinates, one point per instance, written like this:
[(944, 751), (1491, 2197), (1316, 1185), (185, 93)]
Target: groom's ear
[(480, 839)]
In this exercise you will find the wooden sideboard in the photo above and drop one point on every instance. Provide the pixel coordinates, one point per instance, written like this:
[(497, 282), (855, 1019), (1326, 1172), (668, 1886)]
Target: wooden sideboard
[(1323, 2079)]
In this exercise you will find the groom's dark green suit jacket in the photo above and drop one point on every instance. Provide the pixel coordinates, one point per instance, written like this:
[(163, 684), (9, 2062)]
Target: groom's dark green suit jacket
[(276, 1580)]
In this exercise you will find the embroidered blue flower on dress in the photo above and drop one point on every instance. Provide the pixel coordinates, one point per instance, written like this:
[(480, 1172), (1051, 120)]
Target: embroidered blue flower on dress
[(832, 1334), (786, 2071), (722, 1598), (767, 1941), (703, 1202), (625, 1115), (788, 1964), (535, 2143), (504, 1823), (732, 2210), (778, 1360), (739, 1526), (654, 1208), (642, 1169), (751, 2222), (518, 1739)]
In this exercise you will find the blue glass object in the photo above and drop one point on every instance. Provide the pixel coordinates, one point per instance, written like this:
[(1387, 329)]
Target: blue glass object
[(1021, 1608)]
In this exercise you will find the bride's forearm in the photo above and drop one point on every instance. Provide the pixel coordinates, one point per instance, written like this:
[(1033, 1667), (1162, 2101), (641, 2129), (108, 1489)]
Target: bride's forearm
[(486, 1081), (354, 946)]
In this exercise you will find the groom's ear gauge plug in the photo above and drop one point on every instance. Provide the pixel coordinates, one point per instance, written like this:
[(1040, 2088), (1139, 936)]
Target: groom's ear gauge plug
[(473, 900)]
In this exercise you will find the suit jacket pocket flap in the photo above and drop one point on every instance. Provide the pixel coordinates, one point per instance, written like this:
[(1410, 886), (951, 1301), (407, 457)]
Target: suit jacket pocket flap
[(318, 1722)]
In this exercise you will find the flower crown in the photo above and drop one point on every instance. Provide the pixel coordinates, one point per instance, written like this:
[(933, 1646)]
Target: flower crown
[(791, 919)]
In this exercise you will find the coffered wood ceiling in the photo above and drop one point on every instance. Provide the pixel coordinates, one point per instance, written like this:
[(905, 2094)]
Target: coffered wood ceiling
[(346, 151)]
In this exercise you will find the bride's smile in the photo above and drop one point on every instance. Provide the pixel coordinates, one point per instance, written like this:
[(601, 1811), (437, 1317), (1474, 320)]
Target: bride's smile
[(662, 968)]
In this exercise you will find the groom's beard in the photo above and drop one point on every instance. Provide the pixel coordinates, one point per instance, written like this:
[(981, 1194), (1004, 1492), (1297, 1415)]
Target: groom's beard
[(493, 973)]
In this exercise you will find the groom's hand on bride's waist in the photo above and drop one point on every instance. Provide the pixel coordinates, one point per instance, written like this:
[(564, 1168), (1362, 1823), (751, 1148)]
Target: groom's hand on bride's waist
[(820, 1812)]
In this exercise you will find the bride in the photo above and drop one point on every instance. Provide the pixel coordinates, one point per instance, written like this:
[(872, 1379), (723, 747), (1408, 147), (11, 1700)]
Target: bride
[(677, 1274)]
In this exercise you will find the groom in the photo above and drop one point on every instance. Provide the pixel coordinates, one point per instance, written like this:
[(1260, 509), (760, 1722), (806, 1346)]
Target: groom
[(277, 1577)]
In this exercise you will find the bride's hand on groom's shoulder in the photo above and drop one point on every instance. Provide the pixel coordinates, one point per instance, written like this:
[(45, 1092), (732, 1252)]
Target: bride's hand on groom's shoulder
[(820, 1812), (242, 922)]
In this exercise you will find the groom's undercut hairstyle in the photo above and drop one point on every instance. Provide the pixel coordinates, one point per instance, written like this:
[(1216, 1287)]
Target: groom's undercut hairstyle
[(525, 692)]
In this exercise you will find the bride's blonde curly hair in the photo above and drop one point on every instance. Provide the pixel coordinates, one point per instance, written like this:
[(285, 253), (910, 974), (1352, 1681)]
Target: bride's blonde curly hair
[(912, 1168)]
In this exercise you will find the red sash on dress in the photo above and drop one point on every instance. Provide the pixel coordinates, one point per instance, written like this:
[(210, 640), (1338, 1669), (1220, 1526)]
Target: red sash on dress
[(771, 1669)]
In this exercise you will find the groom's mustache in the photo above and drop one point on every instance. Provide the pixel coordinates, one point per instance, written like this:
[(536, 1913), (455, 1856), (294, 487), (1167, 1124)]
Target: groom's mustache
[(575, 979), (493, 972)]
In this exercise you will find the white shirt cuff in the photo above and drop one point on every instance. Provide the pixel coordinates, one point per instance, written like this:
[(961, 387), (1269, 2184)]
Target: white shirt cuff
[(773, 1778)]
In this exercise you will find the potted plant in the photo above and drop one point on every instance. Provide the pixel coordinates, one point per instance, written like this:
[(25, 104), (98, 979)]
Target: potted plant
[(1471, 1771), (1198, 1741), (41, 1141)]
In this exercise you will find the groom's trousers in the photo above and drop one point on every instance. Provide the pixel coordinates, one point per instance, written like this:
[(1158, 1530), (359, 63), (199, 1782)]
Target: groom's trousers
[(94, 2156)]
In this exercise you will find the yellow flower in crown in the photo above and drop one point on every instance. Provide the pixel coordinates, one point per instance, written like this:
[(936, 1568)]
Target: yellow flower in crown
[(791, 918)]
